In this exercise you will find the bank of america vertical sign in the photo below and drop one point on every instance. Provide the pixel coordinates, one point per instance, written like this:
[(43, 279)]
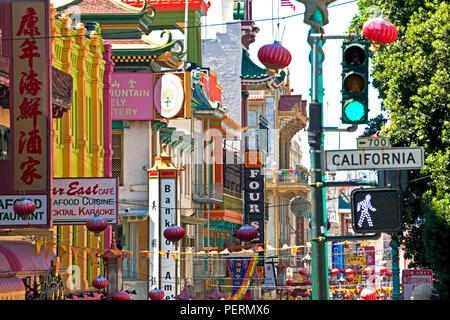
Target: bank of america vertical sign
[(254, 193)]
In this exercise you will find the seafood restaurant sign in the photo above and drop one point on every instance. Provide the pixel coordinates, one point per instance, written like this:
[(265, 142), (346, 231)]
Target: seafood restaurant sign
[(132, 96), (76, 200)]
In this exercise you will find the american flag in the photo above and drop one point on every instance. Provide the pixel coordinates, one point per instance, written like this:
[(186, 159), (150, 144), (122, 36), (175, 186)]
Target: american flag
[(287, 3)]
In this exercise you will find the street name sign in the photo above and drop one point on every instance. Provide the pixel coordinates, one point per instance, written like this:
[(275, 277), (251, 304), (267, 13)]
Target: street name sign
[(376, 159), (373, 142)]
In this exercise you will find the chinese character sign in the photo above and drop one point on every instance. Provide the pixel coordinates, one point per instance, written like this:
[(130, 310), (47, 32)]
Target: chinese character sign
[(132, 96), (31, 114)]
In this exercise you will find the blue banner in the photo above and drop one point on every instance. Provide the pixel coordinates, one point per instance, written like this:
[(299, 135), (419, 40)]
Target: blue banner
[(241, 269), (337, 254)]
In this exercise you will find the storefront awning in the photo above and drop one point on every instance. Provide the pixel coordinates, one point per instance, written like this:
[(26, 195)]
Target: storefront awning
[(12, 288), (19, 257)]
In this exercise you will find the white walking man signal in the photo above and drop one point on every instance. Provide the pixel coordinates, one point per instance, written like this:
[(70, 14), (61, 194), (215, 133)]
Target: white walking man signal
[(364, 206)]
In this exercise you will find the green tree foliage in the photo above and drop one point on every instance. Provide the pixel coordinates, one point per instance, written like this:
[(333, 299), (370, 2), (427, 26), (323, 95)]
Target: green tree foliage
[(413, 79)]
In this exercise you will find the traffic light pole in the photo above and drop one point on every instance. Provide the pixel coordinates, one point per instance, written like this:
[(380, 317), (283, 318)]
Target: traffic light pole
[(319, 265)]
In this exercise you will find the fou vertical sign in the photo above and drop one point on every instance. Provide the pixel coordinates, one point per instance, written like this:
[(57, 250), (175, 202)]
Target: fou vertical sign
[(31, 101)]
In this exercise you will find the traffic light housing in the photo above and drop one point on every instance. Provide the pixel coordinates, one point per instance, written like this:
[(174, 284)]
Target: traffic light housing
[(376, 210), (355, 82)]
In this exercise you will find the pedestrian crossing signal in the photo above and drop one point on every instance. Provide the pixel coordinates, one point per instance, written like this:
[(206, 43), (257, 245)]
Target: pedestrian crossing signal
[(376, 210)]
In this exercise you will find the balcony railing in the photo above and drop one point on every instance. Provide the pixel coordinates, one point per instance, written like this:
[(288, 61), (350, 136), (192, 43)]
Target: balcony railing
[(285, 176), (207, 193), (209, 266)]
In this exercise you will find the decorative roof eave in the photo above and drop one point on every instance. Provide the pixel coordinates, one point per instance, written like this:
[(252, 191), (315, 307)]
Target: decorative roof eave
[(173, 5), (115, 23), (250, 70)]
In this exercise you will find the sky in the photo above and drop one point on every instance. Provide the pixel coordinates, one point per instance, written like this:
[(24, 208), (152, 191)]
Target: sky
[(292, 32)]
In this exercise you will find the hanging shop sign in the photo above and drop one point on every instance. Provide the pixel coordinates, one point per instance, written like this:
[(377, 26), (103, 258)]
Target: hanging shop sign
[(172, 95), (337, 251), (357, 264), (10, 219), (30, 83), (132, 96), (254, 200), (163, 268), (270, 280), (76, 200)]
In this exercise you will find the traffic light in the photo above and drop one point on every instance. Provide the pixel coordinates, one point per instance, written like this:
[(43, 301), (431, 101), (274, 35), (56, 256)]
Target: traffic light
[(376, 210), (355, 81)]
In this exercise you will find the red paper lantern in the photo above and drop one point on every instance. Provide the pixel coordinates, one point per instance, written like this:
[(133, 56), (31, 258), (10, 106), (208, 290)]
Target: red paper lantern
[(368, 271), (274, 56), (335, 271), (156, 294), (121, 295), (349, 279), (389, 274), (303, 272), (100, 283), (174, 233), (24, 208), (289, 282), (383, 270), (308, 281), (349, 271), (379, 31), (247, 233), (368, 294), (97, 224)]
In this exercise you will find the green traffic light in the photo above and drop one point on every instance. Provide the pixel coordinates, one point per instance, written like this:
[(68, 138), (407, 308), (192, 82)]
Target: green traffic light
[(354, 111)]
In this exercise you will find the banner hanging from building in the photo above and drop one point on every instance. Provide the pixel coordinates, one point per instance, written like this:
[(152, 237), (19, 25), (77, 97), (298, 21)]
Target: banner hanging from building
[(241, 268)]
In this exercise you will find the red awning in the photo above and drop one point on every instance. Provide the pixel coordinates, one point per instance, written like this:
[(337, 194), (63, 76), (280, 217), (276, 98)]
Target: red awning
[(20, 258), (12, 288)]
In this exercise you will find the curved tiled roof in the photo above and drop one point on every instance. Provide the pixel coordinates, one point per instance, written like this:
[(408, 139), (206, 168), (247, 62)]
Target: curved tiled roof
[(249, 70), (99, 7)]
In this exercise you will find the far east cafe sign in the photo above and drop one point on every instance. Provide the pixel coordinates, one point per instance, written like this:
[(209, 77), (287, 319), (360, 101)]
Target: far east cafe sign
[(28, 171)]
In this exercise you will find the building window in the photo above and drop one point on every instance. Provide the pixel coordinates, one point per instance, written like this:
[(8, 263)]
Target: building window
[(117, 157), (130, 242)]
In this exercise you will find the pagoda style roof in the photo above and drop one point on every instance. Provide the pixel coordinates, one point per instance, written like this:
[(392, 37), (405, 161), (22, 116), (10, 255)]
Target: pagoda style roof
[(172, 5), (255, 77), (249, 69), (101, 7), (116, 19)]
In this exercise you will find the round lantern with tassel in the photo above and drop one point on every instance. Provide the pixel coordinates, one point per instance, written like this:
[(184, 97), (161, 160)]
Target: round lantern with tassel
[(156, 294), (274, 56), (100, 283), (379, 31), (368, 294), (174, 233), (24, 208), (97, 224), (247, 233), (121, 295), (335, 271)]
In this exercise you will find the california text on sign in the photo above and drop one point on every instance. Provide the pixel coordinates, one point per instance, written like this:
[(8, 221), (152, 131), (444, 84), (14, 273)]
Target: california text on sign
[(383, 159)]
